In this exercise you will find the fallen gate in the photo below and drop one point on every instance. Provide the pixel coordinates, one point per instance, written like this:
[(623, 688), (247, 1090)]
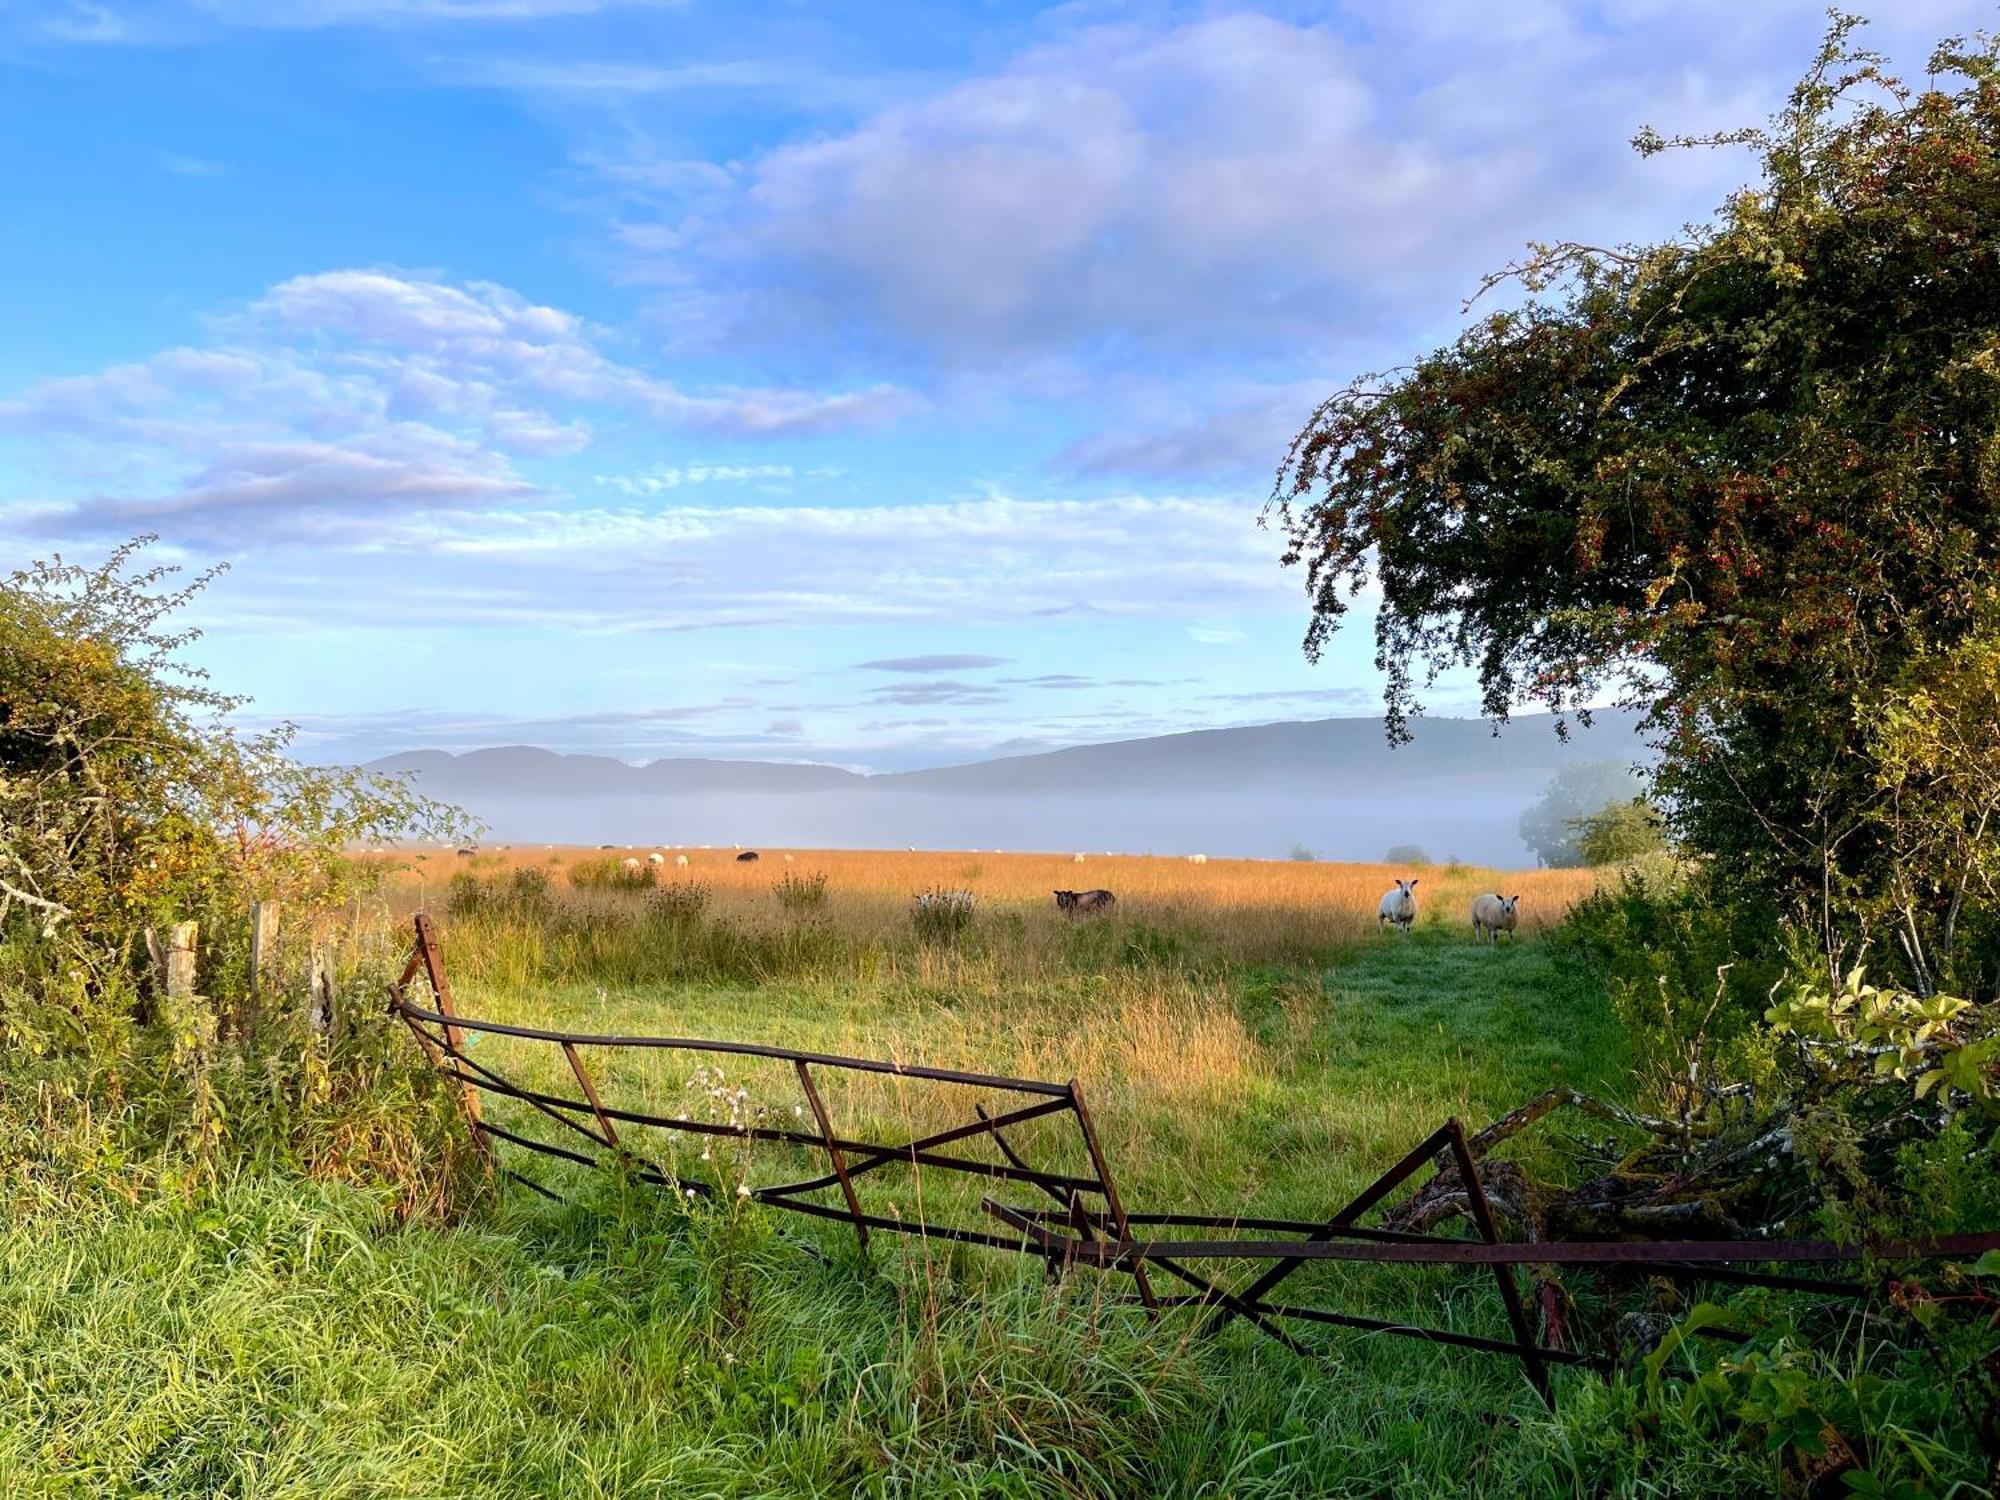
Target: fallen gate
[(1082, 1220)]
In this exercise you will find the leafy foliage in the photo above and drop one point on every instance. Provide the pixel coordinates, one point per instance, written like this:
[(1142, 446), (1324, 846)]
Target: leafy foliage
[(942, 916), (1748, 479), (1939, 1044), (1621, 833), (128, 802)]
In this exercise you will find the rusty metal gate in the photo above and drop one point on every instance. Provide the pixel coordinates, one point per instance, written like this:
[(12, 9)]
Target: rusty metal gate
[(1079, 1219)]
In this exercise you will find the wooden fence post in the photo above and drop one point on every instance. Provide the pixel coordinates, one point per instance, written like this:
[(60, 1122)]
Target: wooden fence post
[(320, 1013), (180, 961), (190, 1017), (263, 945)]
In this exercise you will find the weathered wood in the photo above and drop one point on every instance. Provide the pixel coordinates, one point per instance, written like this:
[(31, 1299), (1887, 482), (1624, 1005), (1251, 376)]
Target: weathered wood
[(180, 960), (263, 945), (320, 1007)]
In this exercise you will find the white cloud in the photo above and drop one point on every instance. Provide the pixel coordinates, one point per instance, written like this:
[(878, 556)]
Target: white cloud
[(1238, 180), (1216, 633), (1239, 186), (345, 392), (669, 477), (685, 568), (315, 13)]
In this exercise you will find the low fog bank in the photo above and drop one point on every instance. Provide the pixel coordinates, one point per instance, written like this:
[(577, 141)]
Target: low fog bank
[(1474, 818)]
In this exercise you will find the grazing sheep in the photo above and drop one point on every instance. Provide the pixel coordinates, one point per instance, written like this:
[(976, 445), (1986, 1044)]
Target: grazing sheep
[(1076, 859), (1493, 915), (788, 859), (681, 860), (629, 863), (1084, 903), (656, 858), (1399, 906), (748, 856), (1197, 859)]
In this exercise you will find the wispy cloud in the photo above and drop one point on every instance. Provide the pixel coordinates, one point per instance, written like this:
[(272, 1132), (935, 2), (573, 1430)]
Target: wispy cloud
[(407, 13), (940, 663), (191, 166), (668, 478), (336, 395)]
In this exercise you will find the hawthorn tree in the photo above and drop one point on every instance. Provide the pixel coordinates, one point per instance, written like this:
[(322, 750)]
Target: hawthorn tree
[(1747, 480), (129, 801)]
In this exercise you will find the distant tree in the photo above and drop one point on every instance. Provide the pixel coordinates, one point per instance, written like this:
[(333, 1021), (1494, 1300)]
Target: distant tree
[(1746, 479), (1406, 854), (1302, 854), (1620, 833), (1553, 827)]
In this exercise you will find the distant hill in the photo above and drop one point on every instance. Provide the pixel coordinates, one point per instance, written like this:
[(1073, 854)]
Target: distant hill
[(1307, 752), (1331, 785), (1311, 752), (524, 770)]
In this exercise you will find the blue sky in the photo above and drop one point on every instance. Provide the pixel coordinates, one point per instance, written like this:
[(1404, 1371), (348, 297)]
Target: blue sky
[(881, 384)]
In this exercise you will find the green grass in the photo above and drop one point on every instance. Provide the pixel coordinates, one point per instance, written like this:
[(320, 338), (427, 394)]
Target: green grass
[(284, 1338)]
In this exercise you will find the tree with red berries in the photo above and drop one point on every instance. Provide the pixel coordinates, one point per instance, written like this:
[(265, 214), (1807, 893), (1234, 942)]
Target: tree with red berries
[(1747, 480)]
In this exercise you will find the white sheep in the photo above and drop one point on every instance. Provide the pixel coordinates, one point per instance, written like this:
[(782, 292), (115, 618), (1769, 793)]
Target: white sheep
[(1493, 915), (630, 864), (1197, 859), (656, 858), (1399, 906), (1076, 859), (681, 860)]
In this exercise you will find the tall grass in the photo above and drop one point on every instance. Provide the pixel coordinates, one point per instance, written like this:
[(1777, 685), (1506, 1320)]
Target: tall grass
[(1247, 1041)]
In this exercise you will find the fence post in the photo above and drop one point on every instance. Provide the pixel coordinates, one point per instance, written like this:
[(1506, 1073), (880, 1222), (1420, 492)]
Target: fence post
[(180, 961), (263, 945), (320, 1013), (192, 1021)]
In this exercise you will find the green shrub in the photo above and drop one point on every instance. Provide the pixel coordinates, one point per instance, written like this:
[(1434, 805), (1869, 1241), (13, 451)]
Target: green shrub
[(1621, 833), (1689, 962)]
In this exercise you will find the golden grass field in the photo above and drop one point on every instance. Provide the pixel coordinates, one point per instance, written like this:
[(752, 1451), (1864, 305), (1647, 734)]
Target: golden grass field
[(1306, 901), (1167, 1038)]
